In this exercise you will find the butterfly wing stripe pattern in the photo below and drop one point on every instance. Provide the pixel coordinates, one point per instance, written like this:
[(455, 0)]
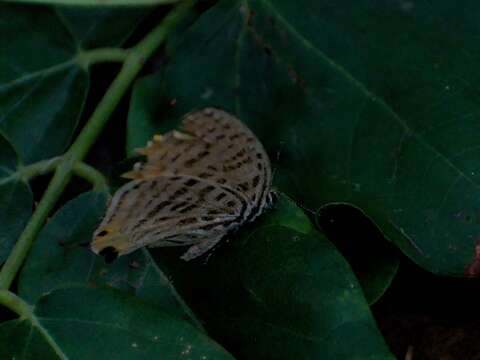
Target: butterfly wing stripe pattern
[(196, 185)]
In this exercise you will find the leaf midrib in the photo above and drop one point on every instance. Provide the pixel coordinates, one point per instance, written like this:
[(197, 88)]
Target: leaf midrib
[(48, 338), (39, 73)]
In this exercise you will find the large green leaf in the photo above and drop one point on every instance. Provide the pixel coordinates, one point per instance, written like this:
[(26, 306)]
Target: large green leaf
[(146, 109), (279, 290), (95, 323), (367, 103), (43, 84), (15, 199), (61, 257), (58, 259), (220, 58)]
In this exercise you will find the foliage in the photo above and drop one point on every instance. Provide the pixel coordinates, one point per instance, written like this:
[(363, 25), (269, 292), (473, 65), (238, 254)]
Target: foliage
[(358, 103)]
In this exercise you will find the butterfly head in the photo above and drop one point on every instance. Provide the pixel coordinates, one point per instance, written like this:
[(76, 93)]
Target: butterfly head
[(110, 243)]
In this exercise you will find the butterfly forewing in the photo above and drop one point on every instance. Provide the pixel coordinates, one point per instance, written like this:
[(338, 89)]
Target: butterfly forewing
[(197, 184), (217, 146)]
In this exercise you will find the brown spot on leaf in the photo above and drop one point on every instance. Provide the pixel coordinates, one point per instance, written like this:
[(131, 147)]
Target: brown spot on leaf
[(473, 270)]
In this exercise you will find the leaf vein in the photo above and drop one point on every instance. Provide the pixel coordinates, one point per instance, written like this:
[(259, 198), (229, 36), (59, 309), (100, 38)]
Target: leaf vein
[(39, 73), (341, 70)]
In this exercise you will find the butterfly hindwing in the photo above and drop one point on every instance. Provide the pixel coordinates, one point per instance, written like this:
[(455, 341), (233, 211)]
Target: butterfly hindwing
[(168, 211)]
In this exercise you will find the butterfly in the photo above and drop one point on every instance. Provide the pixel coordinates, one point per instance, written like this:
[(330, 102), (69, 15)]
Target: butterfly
[(196, 186)]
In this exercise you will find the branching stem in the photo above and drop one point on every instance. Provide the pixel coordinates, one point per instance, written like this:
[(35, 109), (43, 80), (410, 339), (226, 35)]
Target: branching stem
[(88, 57), (92, 175), (69, 163), (16, 304)]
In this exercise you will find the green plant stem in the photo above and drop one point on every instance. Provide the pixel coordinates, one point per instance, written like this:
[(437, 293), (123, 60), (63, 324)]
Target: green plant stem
[(43, 167), (130, 69), (91, 174), (88, 57), (32, 170), (132, 65), (16, 304), (23, 244), (40, 168)]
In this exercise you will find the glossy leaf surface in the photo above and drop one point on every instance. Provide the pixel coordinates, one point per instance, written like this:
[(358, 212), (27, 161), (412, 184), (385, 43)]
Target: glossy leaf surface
[(357, 111)]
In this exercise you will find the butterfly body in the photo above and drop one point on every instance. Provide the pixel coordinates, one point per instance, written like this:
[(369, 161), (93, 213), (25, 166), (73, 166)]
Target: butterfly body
[(197, 185)]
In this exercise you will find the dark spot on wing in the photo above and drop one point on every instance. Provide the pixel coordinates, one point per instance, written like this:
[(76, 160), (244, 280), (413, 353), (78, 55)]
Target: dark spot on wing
[(178, 206), (191, 182), (244, 186), (205, 175), (187, 221), (189, 162), (180, 192), (205, 191), (158, 208), (220, 196), (187, 209), (153, 184)]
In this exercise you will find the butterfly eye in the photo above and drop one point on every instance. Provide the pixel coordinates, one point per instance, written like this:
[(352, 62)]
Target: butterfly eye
[(102, 233)]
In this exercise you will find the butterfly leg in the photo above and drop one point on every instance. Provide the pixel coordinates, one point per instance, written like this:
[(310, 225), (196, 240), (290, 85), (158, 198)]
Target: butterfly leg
[(201, 248)]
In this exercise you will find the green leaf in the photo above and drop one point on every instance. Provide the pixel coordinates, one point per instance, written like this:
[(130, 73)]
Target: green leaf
[(15, 199), (88, 323), (42, 88), (61, 257), (218, 51), (358, 111), (279, 291), (42, 96), (19, 335)]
